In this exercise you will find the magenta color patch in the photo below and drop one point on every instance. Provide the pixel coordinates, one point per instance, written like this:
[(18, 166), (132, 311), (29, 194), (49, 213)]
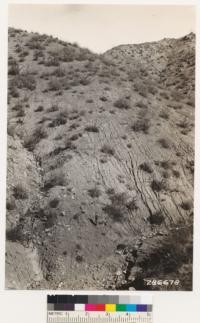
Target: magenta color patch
[(90, 307)]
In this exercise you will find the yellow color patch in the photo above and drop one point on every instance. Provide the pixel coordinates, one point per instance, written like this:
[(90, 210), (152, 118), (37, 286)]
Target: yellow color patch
[(110, 307)]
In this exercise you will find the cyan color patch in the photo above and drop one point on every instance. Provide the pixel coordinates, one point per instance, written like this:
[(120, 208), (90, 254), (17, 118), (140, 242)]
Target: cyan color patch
[(131, 307)]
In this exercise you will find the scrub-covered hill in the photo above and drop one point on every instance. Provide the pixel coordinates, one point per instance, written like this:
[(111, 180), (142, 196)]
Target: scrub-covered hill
[(100, 164)]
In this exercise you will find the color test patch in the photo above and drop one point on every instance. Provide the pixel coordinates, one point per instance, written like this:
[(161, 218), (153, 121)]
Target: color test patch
[(110, 307)]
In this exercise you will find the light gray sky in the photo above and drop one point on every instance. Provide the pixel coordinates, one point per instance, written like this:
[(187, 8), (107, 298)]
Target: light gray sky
[(101, 27)]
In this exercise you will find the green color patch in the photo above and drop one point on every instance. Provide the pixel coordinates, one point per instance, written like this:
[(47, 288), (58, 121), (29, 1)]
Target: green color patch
[(121, 307)]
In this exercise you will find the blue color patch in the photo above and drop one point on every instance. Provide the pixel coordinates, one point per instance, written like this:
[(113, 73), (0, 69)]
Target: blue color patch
[(141, 308)]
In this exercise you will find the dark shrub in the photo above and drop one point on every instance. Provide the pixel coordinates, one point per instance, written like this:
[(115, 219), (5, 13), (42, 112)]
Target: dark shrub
[(54, 85), (52, 61), (165, 174), (118, 199), (164, 115), (166, 164), (156, 218), (91, 128), (122, 104), (13, 92), (69, 145), (141, 89), (35, 42), (141, 104), (152, 89), (15, 234), (31, 141), (40, 108), (146, 167), (187, 205), (79, 258), (10, 204), (11, 130), (19, 192), (106, 149), (164, 95), (54, 203), (94, 192), (85, 81), (132, 205), (53, 108), (60, 119), (141, 126), (185, 124), (158, 186), (116, 213), (165, 143), (176, 173), (37, 54), (75, 136), (17, 107), (57, 179), (13, 68), (103, 99), (24, 81), (59, 72), (21, 113)]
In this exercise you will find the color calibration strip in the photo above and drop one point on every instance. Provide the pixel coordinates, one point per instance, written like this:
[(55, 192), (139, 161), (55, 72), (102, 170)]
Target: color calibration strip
[(99, 309), (99, 303)]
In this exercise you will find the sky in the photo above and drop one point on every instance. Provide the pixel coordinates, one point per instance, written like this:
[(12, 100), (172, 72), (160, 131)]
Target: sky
[(101, 27)]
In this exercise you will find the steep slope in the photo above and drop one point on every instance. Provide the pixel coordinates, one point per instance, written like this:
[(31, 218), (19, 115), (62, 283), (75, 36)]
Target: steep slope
[(100, 164)]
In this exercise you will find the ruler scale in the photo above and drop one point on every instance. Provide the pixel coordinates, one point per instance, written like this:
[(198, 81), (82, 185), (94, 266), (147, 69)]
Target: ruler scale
[(99, 309)]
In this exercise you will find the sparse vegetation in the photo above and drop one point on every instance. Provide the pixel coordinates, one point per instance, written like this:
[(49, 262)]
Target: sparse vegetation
[(79, 123), (19, 192), (91, 128), (176, 173), (116, 213), (54, 179), (15, 234), (60, 119), (186, 205), (156, 218), (31, 141), (103, 98), (58, 72), (40, 108), (10, 204), (24, 81), (54, 203), (166, 164), (164, 115), (13, 67), (157, 185), (53, 108), (164, 142), (146, 167), (94, 192), (122, 104), (54, 85), (107, 149), (141, 126), (141, 104)]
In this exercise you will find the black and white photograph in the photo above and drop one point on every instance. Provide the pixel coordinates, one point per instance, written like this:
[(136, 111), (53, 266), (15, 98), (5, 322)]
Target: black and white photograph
[(100, 147)]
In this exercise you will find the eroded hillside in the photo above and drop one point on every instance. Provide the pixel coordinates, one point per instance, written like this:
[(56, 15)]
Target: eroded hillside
[(100, 164)]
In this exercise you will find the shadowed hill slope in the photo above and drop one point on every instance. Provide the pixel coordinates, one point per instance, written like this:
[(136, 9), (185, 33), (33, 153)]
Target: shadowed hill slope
[(100, 164)]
